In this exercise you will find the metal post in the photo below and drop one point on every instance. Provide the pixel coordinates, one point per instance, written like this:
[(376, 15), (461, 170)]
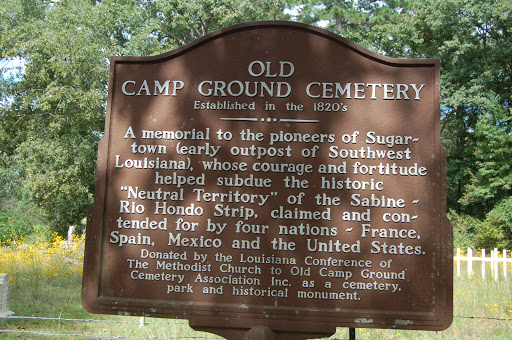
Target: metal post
[(352, 334)]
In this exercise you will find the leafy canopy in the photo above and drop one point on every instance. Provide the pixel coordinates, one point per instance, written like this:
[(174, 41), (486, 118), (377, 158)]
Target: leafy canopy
[(52, 105)]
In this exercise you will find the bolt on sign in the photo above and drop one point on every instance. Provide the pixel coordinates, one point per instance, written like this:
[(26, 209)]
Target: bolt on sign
[(272, 175)]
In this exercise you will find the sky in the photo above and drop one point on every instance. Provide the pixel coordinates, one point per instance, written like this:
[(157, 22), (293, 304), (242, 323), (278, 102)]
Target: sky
[(12, 67)]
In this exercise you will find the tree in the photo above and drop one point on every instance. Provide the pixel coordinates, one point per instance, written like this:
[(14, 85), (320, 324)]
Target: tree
[(53, 121), (52, 109), (473, 41), (380, 26), (52, 113), (170, 24)]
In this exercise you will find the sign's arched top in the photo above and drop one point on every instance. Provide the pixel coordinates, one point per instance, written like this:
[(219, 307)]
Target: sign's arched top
[(287, 26)]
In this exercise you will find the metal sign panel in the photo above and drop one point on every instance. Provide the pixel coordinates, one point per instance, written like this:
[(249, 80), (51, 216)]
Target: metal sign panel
[(272, 174)]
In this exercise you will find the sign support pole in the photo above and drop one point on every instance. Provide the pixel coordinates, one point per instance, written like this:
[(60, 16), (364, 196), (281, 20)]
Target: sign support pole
[(352, 333)]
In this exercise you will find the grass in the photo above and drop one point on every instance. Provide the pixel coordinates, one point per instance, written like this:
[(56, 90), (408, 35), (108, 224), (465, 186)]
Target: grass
[(482, 310), (45, 281)]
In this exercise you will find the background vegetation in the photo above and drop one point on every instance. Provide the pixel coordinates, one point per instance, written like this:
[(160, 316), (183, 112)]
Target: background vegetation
[(54, 72)]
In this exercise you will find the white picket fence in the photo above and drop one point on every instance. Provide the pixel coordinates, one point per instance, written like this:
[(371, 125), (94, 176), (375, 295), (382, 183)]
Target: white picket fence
[(492, 261)]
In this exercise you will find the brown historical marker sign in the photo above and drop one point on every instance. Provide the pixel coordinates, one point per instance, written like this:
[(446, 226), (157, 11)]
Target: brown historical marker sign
[(272, 174)]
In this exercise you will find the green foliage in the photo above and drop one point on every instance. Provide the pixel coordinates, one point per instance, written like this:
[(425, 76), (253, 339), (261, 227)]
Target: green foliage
[(494, 231), (55, 114), (175, 22), (52, 107), (52, 113), (493, 176), (21, 220), (473, 40), (57, 171), (463, 229), (497, 226), (377, 25), (156, 27), (5, 228), (488, 236)]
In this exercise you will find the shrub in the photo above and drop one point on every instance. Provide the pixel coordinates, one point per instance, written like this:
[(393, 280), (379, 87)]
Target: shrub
[(463, 226), (496, 230), (19, 220), (488, 235)]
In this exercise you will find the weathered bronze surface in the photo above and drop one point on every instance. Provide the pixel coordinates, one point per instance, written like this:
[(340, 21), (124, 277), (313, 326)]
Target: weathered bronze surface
[(276, 175)]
